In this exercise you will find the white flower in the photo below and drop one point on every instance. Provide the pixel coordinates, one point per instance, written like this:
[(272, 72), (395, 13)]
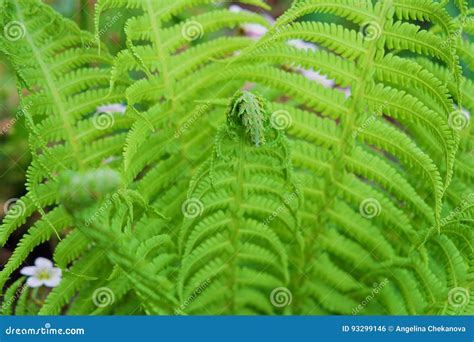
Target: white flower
[(310, 73), (112, 108), (301, 44), (235, 8), (466, 113), (43, 273), (347, 91), (316, 76), (254, 31)]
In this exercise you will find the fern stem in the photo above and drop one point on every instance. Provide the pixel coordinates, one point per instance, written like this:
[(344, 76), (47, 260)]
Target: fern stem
[(161, 54), (55, 93)]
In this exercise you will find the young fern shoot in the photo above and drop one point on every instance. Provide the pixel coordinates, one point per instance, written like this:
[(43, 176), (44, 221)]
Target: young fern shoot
[(249, 216)]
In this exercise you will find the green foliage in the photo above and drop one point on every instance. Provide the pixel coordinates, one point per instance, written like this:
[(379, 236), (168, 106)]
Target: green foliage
[(296, 199), (231, 241)]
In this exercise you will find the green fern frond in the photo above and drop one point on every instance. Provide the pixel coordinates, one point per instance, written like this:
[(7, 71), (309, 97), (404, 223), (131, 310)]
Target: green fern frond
[(200, 171)]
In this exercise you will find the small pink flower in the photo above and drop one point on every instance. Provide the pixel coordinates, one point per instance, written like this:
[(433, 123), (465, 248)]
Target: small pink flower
[(43, 273)]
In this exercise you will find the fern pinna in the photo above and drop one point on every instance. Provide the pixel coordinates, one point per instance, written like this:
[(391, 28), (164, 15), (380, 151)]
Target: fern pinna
[(323, 168)]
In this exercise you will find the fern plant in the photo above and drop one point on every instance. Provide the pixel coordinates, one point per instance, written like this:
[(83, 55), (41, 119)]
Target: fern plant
[(233, 184)]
